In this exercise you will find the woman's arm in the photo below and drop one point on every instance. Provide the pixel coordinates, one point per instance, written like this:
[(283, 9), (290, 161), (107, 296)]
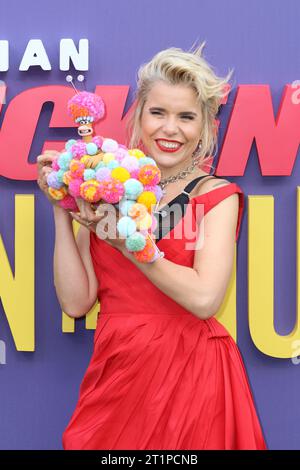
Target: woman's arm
[(74, 277), (201, 289)]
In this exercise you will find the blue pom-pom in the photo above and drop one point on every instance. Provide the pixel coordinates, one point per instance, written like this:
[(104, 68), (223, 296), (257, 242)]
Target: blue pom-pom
[(136, 242), (125, 205), (53, 181), (146, 161), (113, 164), (60, 175), (70, 143), (64, 160), (91, 148), (89, 174), (133, 188), (126, 226)]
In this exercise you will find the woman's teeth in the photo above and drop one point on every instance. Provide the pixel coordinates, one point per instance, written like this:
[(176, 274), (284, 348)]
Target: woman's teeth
[(169, 145)]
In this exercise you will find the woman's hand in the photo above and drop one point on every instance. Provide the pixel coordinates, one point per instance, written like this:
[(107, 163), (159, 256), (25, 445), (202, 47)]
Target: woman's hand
[(103, 221), (44, 163)]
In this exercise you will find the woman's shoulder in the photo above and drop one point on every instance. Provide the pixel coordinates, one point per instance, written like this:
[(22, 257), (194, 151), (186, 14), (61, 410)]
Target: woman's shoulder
[(209, 184)]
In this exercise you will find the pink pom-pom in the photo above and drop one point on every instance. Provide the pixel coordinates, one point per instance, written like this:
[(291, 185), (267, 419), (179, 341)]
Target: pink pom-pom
[(68, 203), (135, 173), (120, 154), (78, 149), (86, 104), (76, 168), (112, 190), (74, 187), (98, 140), (55, 166)]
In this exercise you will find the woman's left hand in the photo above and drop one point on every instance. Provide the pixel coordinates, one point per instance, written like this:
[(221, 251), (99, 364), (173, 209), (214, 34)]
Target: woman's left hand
[(103, 221)]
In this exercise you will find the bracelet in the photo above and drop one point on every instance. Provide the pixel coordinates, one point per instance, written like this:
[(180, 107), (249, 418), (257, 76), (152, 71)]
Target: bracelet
[(158, 254)]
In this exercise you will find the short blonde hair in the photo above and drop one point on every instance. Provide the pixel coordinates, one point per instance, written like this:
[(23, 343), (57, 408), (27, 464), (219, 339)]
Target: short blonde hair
[(175, 66)]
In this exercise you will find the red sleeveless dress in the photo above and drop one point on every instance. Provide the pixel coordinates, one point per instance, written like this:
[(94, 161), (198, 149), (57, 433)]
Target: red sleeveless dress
[(159, 377)]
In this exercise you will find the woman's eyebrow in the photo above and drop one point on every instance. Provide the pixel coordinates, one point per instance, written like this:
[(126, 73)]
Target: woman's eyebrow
[(156, 108)]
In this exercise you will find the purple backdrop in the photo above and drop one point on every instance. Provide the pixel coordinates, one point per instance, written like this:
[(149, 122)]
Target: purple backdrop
[(39, 390)]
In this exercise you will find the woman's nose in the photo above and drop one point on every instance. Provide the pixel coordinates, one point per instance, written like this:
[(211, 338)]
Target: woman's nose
[(170, 126)]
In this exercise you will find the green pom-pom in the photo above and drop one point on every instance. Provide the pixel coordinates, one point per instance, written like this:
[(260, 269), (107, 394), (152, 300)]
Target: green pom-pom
[(89, 174), (136, 242)]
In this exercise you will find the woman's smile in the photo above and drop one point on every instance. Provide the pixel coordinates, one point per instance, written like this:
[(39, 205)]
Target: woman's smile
[(167, 145)]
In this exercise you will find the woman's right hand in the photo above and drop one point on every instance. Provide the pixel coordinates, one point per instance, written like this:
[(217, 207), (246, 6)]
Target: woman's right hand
[(44, 163)]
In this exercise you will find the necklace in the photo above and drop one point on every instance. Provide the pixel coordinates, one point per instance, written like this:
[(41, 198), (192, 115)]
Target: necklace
[(181, 175)]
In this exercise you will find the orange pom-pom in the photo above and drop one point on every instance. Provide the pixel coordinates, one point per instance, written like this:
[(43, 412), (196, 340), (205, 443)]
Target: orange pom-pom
[(145, 255)]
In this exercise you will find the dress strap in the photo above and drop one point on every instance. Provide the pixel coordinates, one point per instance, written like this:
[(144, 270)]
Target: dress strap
[(189, 187)]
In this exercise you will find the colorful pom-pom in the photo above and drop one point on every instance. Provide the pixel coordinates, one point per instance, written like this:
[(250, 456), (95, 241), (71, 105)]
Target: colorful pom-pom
[(89, 174), (149, 174), (138, 211), (77, 168), (90, 191), (125, 205), (112, 191), (136, 242), (133, 188), (53, 181), (109, 145), (102, 173), (148, 252), (130, 163), (64, 160), (108, 157), (68, 203), (148, 199), (91, 148), (145, 222), (120, 174), (126, 226), (98, 140), (78, 149), (74, 187), (85, 104), (146, 161), (136, 153), (57, 194), (70, 143)]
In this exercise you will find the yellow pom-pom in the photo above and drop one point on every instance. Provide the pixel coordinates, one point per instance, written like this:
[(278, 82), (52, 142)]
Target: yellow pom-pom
[(67, 178), (120, 174), (57, 194), (147, 198), (144, 223), (108, 157), (85, 158), (136, 153)]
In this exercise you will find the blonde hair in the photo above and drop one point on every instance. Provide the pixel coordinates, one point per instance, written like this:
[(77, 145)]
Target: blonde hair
[(177, 67)]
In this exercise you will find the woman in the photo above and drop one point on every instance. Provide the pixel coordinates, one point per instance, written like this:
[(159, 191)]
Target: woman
[(164, 373)]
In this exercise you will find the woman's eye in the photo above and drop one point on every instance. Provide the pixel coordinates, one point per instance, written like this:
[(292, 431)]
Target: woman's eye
[(188, 117), (155, 112)]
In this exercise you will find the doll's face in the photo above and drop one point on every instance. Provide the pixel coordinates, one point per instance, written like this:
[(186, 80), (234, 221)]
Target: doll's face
[(85, 128), (171, 124)]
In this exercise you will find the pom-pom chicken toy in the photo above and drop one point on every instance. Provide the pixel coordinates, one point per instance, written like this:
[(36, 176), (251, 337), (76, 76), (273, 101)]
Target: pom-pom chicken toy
[(99, 170)]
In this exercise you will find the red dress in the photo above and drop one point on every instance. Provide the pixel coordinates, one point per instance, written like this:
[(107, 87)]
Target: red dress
[(159, 376)]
